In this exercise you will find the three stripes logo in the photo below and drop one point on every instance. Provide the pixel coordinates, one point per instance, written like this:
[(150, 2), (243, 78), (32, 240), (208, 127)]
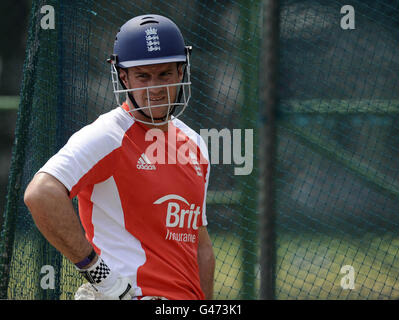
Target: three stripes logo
[(195, 164), (144, 163)]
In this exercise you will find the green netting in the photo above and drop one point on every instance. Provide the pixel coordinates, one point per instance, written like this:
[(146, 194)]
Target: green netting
[(336, 174), (337, 168), (67, 84)]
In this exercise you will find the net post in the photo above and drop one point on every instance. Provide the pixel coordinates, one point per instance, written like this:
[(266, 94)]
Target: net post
[(249, 49), (267, 151)]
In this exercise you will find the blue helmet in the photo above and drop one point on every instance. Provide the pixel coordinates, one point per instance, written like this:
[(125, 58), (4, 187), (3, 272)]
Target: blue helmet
[(149, 39), (146, 40)]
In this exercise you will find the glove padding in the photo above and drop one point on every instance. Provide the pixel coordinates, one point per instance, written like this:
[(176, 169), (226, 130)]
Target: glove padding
[(104, 284), (87, 292)]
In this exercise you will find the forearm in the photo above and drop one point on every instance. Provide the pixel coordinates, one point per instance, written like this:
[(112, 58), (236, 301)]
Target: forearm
[(206, 264), (55, 217)]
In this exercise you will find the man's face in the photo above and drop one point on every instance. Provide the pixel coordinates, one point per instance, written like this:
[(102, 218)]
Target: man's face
[(153, 75)]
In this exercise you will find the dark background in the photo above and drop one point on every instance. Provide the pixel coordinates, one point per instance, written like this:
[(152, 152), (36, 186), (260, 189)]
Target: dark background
[(13, 29)]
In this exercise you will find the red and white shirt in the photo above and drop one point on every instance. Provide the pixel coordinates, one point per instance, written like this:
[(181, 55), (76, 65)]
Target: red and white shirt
[(141, 199)]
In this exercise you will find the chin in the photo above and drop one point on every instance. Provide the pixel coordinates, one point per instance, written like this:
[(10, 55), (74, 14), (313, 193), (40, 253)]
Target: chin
[(157, 113)]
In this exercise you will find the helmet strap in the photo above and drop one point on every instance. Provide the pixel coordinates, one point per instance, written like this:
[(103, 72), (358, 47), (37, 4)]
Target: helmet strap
[(136, 106)]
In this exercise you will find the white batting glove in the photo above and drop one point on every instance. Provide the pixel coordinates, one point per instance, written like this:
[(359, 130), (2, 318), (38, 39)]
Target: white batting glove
[(107, 284), (87, 292)]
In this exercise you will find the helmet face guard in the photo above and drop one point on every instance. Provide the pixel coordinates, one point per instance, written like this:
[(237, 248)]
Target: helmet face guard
[(175, 108), (149, 40)]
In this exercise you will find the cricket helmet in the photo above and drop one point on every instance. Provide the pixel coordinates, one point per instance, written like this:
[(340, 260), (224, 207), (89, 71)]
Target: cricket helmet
[(147, 40)]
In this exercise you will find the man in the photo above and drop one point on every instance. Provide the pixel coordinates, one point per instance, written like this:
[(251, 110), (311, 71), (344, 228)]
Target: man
[(144, 219)]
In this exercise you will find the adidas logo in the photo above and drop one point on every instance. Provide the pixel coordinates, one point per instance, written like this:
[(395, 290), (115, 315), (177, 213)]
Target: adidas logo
[(144, 164)]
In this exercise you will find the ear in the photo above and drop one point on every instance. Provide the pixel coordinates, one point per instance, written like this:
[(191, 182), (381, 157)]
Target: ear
[(180, 71), (123, 76)]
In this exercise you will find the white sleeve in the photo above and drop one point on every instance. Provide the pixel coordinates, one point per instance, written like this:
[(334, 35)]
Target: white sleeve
[(84, 158), (204, 153)]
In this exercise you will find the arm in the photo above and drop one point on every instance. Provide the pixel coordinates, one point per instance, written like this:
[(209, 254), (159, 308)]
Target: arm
[(54, 214), (206, 262)]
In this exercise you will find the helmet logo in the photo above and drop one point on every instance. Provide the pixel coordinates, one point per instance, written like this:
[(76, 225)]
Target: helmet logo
[(151, 36)]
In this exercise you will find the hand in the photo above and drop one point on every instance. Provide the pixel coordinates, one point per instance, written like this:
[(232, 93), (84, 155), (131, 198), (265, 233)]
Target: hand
[(104, 284), (120, 290)]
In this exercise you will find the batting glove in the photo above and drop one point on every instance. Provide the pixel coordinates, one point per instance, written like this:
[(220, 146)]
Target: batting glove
[(109, 285)]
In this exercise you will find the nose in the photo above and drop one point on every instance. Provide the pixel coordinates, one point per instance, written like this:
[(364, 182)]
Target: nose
[(154, 81), (159, 88)]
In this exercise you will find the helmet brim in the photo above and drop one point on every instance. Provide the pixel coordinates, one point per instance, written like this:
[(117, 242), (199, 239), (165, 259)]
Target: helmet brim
[(144, 62)]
